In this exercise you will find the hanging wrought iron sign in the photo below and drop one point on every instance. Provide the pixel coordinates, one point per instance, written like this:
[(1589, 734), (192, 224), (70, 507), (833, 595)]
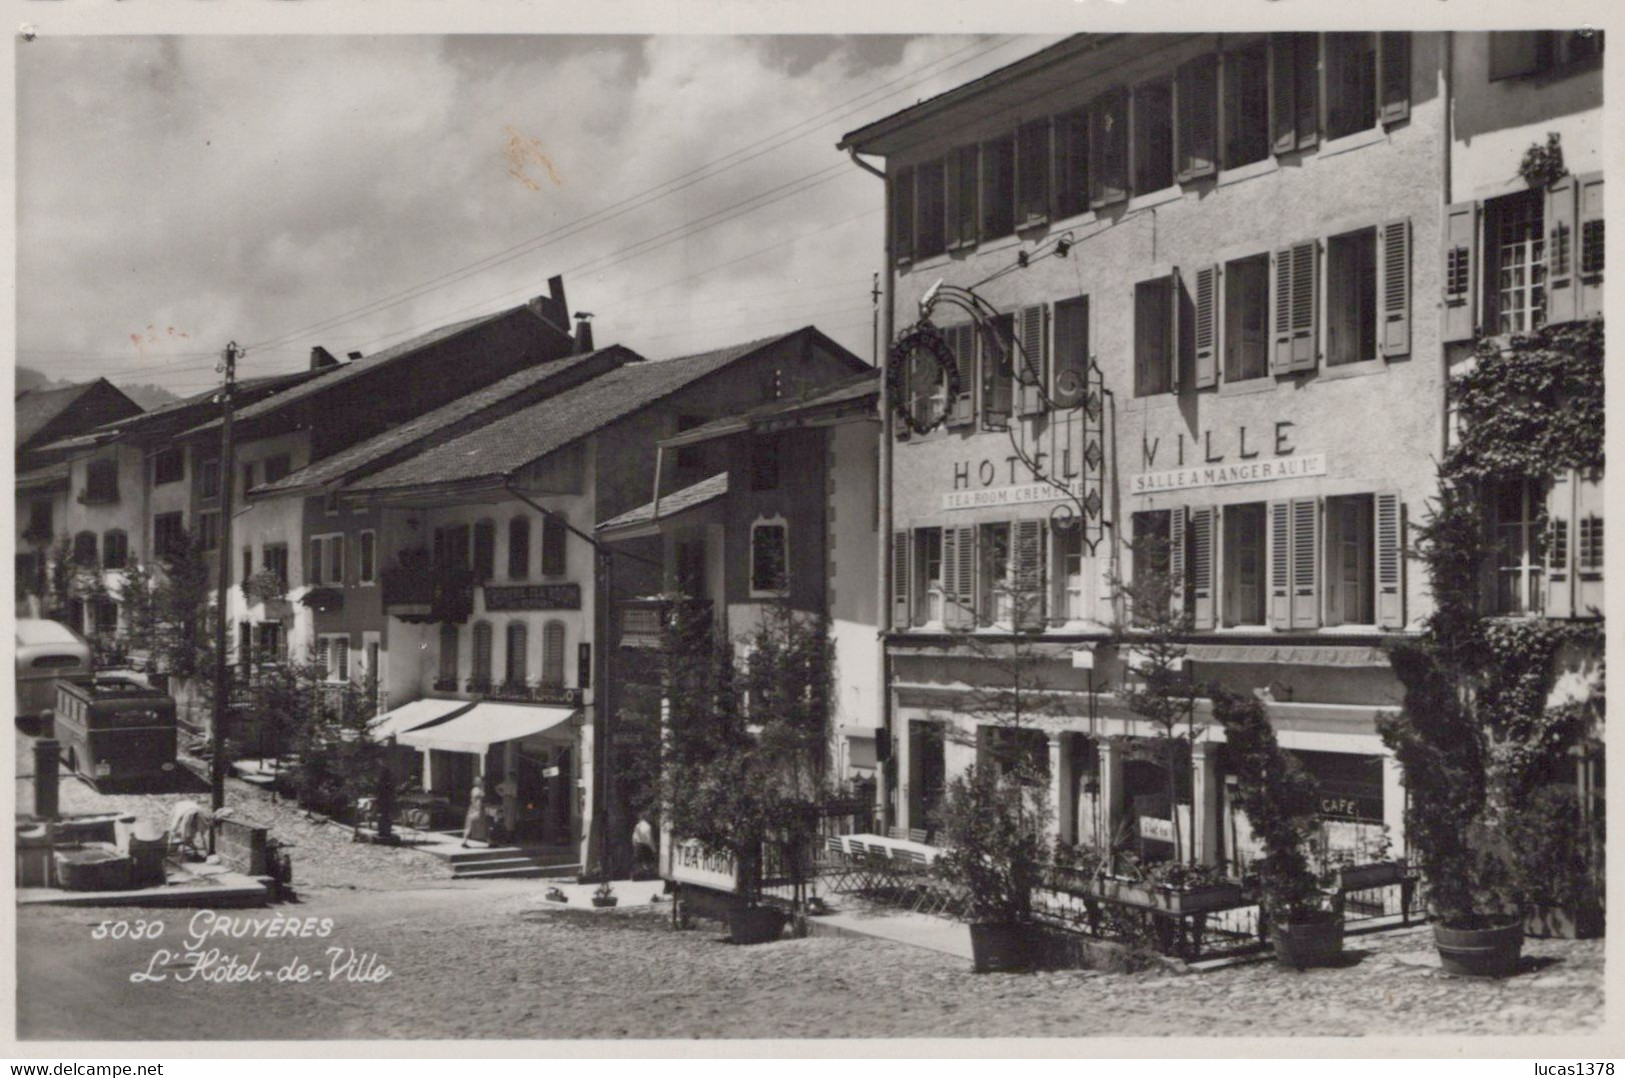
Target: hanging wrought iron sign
[(910, 360)]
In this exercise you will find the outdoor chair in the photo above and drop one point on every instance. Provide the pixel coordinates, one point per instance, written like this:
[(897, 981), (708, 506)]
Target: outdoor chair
[(835, 868), (896, 832), (920, 835)]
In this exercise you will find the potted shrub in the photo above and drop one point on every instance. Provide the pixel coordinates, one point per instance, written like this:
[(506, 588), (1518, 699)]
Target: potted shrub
[(1477, 927), (995, 853), (604, 897), (1282, 803)]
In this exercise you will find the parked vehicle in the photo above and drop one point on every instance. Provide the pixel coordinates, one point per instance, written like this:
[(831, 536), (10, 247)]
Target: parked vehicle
[(114, 729), (47, 652)]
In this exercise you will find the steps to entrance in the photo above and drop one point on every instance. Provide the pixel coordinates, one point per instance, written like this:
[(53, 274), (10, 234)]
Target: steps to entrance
[(502, 862)]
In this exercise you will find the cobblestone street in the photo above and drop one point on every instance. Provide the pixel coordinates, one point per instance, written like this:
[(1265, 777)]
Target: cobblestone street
[(493, 960)]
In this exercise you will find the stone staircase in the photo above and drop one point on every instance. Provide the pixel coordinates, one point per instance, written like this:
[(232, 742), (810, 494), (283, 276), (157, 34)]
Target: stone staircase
[(511, 862)]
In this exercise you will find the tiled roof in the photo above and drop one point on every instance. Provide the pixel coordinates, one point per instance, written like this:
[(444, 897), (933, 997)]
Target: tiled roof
[(503, 447), (346, 461), (253, 389), (672, 504), (331, 377), (854, 388), (36, 408)]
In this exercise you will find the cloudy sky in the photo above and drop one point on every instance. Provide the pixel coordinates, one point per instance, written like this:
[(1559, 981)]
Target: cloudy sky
[(175, 193)]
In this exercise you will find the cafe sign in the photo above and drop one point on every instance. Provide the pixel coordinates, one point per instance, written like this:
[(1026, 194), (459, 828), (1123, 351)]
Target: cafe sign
[(1024, 494), (532, 597), (694, 863), (1218, 475)]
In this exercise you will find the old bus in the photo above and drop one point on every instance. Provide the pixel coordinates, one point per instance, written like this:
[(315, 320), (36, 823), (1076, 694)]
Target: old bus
[(115, 730), (47, 651)]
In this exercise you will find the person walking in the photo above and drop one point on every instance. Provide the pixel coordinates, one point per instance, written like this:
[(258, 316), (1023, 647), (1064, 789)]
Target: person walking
[(475, 825)]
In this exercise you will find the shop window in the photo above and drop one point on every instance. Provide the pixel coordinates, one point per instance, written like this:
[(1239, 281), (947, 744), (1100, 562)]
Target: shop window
[(84, 548), (519, 548), (1515, 269), (1246, 105), (1032, 173), (766, 452), (449, 644), (168, 466), (998, 187), (1245, 535), (367, 570), (1351, 83), (485, 550), (1350, 561), (554, 561), (276, 467), (208, 531), (1246, 318), (996, 603), (168, 534), (1153, 136), (1154, 337), (1071, 163), (769, 557), (480, 676), (553, 654), (929, 597), (964, 195), (931, 223), (115, 549), (518, 644), (275, 558), (1351, 297), (902, 208), (209, 479)]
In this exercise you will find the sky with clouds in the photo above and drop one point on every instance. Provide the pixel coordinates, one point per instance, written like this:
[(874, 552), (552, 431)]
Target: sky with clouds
[(175, 193)]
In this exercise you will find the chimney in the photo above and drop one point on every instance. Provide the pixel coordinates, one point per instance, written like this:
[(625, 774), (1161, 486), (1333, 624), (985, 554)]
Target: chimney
[(321, 357), (551, 307), (583, 332)]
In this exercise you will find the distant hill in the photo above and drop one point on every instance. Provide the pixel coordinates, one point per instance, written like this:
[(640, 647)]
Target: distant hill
[(148, 396), (28, 378)]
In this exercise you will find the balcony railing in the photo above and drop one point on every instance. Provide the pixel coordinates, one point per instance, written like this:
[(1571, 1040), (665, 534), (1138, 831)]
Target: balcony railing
[(428, 595)]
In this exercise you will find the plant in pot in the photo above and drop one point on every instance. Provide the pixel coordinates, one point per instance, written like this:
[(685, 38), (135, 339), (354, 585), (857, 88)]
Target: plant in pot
[(1282, 804), (604, 897), (995, 853)]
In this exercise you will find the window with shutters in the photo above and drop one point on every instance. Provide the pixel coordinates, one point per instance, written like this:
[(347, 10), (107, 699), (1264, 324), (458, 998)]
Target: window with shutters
[(964, 196), (1030, 359), (169, 466), (1246, 318), (116, 549), (367, 557), (554, 553), (1351, 297), (208, 531), (1154, 341), (998, 187), (1070, 360), (333, 656), (274, 558), (1515, 509), (485, 549), (902, 208), (480, 676), (1295, 303), (929, 601), (1153, 137), (1152, 556), (519, 548), (1243, 576), (449, 643), (930, 222), (769, 557), (1350, 561), (553, 655), (1198, 129), (1071, 163), (1294, 91), (998, 372), (1246, 105), (326, 560), (996, 603), (1071, 599), (1515, 262), (1588, 553), (517, 653), (1032, 173), (1108, 148), (1351, 83), (84, 548), (927, 384)]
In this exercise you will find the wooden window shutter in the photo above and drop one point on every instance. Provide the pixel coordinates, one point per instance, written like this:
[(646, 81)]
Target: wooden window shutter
[(1202, 556), (553, 545), (953, 611), (1174, 348), (1390, 560), (1394, 289), (1032, 358), (1460, 271), (553, 654), (1176, 562), (1207, 327), (1281, 335), (951, 199), (1071, 181), (997, 347), (901, 559), (1305, 563), (1561, 303), (1029, 574), (1280, 566), (959, 576), (1394, 75), (1589, 245), (1197, 101), (902, 203), (962, 340), (1108, 148), (1306, 92), (1283, 113), (1302, 311), (1560, 546)]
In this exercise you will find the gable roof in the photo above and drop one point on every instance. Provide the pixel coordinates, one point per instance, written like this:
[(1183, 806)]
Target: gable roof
[(491, 454), (346, 461), (330, 378), (38, 409), (828, 399), (679, 501)]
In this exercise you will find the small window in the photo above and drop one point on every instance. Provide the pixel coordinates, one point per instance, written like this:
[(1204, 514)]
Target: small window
[(1246, 105), (208, 531), (335, 559), (449, 643), (517, 653), (1351, 297), (275, 558), (333, 657), (1244, 578), (553, 545), (248, 562), (931, 224), (84, 548), (998, 372), (209, 479), (485, 550), (998, 187), (169, 534), (1589, 554), (101, 481), (1514, 230), (1351, 83), (168, 466), (1154, 337), (115, 549), (553, 655), (766, 453), (769, 557), (519, 548), (369, 557), (276, 467), (1246, 318), (330, 503), (1152, 550), (1153, 137), (1071, 351), (482, 655)]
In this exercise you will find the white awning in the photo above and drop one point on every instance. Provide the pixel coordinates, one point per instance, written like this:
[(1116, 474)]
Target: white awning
[(417, 713), (488, 724), (1295, 655)]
